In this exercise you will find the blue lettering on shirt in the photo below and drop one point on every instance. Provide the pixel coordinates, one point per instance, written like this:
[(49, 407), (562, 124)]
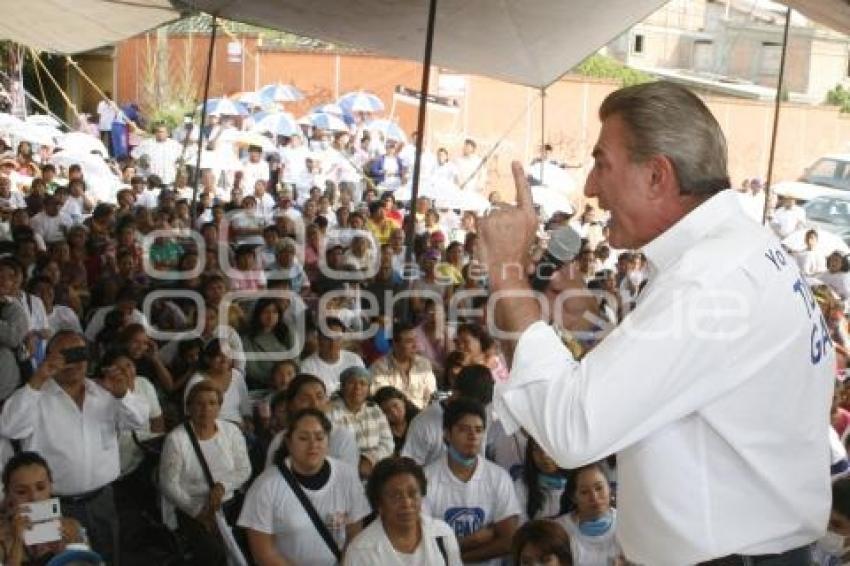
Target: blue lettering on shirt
[(464, 520)]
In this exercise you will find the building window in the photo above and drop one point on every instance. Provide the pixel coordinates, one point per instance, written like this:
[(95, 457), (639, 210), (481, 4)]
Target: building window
[(771, 57), (637, 44)]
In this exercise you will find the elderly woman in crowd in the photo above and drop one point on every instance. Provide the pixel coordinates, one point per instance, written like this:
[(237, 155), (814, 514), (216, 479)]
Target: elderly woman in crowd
[(278, 525), (183, 480), (352, 409), (402, 534)]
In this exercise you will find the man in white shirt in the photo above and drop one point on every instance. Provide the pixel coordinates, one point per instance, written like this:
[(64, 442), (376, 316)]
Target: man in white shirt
[(105, 117), (405, 369), (10, 197), (471, 170), (474, 496), (788, 218), (51, 223), (73, 422), (694, 391), (254, 169), (330, 360), (163, 153)]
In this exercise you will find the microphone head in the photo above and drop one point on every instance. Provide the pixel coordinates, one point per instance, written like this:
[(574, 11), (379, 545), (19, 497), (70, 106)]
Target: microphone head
[(564, 244)]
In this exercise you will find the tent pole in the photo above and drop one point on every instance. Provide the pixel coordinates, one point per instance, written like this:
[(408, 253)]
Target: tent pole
[(410, 223), (542, 134), (776, 106), (197, 179)]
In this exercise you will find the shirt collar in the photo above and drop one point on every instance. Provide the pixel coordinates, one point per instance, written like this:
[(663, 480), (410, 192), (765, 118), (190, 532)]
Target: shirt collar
[(676, 240)]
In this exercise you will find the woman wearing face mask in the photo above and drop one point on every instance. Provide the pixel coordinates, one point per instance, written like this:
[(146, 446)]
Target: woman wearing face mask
[(27, 479), (541, 489), (592, 524), (542, 543)]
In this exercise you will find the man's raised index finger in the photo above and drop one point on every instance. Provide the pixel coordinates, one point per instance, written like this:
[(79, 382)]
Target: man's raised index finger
[(523, 191)]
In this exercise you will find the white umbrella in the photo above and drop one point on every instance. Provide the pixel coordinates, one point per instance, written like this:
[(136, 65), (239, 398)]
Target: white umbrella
[(278, 124), (360, 101), (43, 120), (224, 107), (280, 93), (250, 98), (827, 242), (330, 108), (446, 195), (102, 183), (80, 142), (325, 122), (550, 200), (7, 121), (552, 176), (389, 129), (41, 135)]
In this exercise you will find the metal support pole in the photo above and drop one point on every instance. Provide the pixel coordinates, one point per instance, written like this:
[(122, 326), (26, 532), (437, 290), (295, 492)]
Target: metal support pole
[(776, 106), (197, 179)]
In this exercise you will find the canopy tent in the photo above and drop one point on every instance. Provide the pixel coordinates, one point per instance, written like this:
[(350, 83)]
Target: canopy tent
[(532, 43)]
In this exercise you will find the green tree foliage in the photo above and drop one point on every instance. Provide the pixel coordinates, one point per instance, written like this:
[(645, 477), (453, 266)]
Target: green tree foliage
[(604, 67), (839, 96)]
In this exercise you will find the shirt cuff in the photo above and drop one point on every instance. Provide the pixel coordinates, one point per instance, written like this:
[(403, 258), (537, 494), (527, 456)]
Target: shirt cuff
[(539, 351)]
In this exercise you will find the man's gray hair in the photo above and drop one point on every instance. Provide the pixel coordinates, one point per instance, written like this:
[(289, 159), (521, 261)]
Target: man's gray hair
[(667, 119)]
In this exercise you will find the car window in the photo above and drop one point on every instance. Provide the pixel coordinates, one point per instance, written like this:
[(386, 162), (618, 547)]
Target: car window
[(830, 173), (830, 211)]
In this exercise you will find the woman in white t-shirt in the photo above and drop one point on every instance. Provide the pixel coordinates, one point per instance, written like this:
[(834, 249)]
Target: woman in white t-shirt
[(401, 535), (592, 524), (837, 274), (217, 367), (279, 529), (541, 487)]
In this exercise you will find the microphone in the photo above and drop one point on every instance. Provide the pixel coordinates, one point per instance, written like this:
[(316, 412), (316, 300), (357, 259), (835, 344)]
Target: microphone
[(564, 246)]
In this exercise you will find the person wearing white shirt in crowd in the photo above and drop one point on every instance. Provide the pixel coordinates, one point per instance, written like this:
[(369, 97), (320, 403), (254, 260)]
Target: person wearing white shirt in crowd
[(149, 195), (255, 168), (401, 535), (541, 487), (51, 223), (592, 525), (294, 160), (183, 482), (9, 195), (105, 116), (811, 260), (788, 218), (471, 170), (425, 441), (278, 527), (330, 360), (837, 274), (308, 392), (265, 201), (407, 155), (445, 170), (59, 317), (73, 422), (217, 367), (78, 204), (473, 495), (162, 152), (125, 302), (405, 369), (696, 430)]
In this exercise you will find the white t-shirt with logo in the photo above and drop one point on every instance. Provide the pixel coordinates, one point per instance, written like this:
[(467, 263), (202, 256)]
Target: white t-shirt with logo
[(467, 507), (272, 508), (591, 550)]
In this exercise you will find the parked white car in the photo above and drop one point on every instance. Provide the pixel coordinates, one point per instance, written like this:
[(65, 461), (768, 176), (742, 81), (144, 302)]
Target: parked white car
[(829, 176)]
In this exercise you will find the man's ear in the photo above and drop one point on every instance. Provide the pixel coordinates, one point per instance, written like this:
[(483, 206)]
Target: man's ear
[(663, 179)]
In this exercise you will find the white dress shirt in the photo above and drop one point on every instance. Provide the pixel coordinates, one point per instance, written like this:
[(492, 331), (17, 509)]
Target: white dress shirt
[(81, 446), (163, 157), (714, 393), (329, 373), (51, 228)]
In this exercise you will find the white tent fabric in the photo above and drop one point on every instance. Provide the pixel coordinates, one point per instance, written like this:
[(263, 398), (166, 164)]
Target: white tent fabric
[(532, 42)]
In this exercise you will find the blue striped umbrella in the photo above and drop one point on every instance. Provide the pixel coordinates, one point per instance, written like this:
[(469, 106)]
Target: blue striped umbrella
[(277, 123), (389, 129), (224, 107), (280, 93), (330, 108), (325, 122), (360, 101)]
